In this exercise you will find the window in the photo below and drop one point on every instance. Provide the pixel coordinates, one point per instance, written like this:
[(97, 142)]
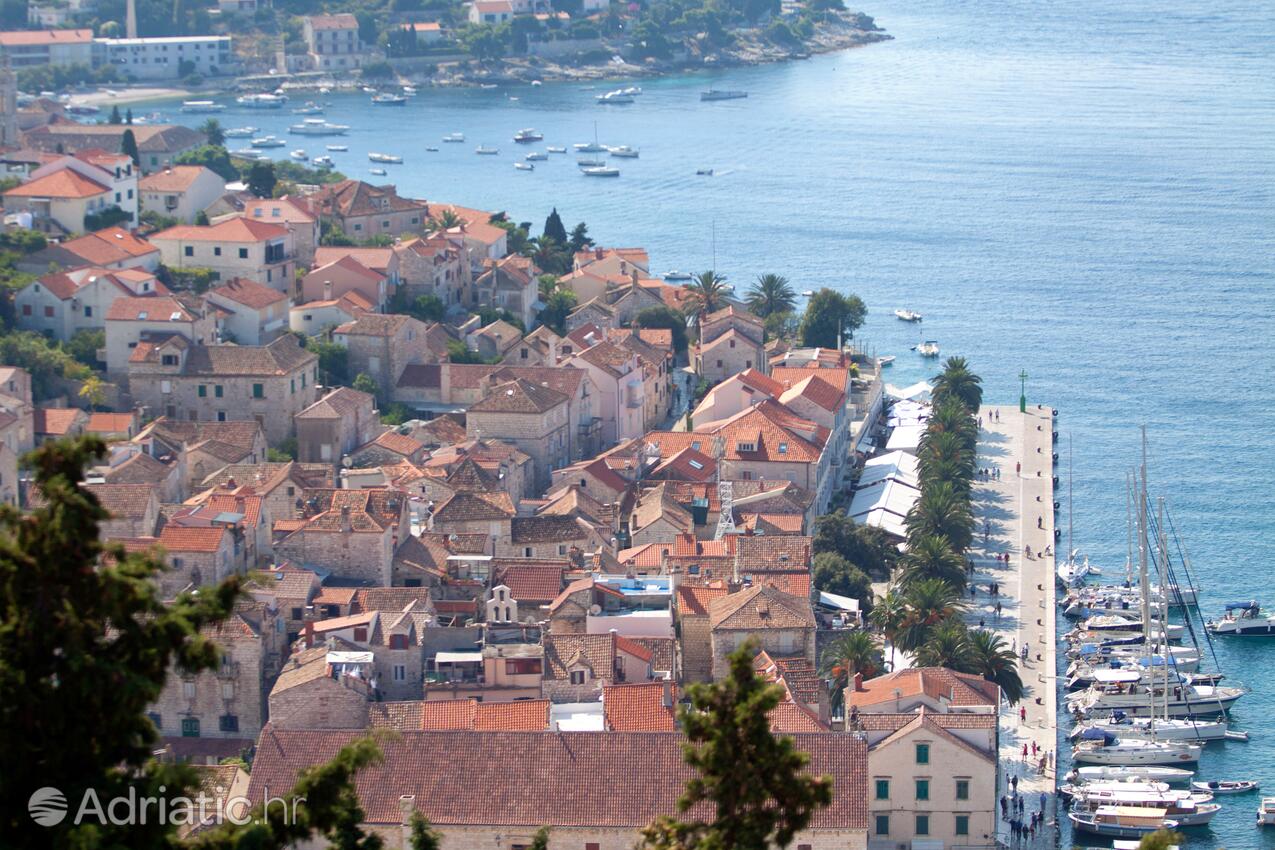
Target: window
[(156, 718), (562, 548), (48, 312), (217, 390), (360, 633), (88, 311), (227, 688), (168, 359), (962, 789), (203, 391), (188, 686), (221, 416), (398, 641), (746, 475), (591, 845), (962, 824), (922, 753), (217, 251), (26, 309), (883, 789), (190, 727), (228, 723), (243, 253), (577, 677), (923, 789), (523, 666), (297, 613), (258, 390), (166, 387), (400, 672), (783, 448), (922, 825), (189, 251), (719, 364), (882, 825), (526, 551)]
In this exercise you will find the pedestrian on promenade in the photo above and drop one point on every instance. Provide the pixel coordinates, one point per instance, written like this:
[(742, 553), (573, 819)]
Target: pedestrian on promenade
[(1022, 715), (981, 623), (1004, 806), (1040, 522), (1043, 798), (1013, 780), (1018, 467), (1024, 751), (973, 591), (998, 473), (998, 609)]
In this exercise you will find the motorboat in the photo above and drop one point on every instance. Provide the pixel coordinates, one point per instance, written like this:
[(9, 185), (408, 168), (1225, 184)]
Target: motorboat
[(1185, 807), (703, 172), (556, 149), (624, 152), (1073, 570), (299, 154), (1266, 812), (929, 348), (387, 158), (454, 138), (1121, 821), (1072, 790), (319, 127), (524, 166), (483, 150), (248, 153), (240, 132), (613, 98), (600, 171), (90, 109), (1177, 700), (388, 100), (202, 106), (885, 361), (722, 94), (323, 161), (379, 172), (1126, 621), (1223, 786), (676, 275), (1244, 619), (1155, 729), (431, 149), (262, 101), (527, 136), (310, 108), (590, 162), (907, 315), (338, 148), (369, 90), (269, 142), (536, 156), (589, 147), (1134, 772), (632, 91), (1108, 749), (1149, 670), (410, 91)]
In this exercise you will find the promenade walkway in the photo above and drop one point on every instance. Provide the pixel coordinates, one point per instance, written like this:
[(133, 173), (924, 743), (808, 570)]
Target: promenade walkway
[(1011, 513)]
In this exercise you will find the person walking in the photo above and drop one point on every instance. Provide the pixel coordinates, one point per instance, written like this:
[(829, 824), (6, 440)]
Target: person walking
[(1018, 467), (1004, 807), (1022, 715)]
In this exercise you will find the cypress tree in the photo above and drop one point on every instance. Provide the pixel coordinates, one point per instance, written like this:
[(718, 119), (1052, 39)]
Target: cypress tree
[(128, 146), (116, 118), (554, 228)]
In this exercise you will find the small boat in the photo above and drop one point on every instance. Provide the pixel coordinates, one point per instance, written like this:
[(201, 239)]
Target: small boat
[(90, 109), (201, 106), (410, 91), (487, 86), (593, 146), (1187, 808), (338, 148), (1106, 787), (1121, 821), (1266, 812), (310, 108), (907, 315), (1243, 619), (600, 171), (1130, 772), (248, 153), (1180, 700), (556, 149), (454, 137), (536, 156), (323, 161), (240, 132), (319, 127), (299, 155), (268, 142), (537, 83), (624, 152), (885, 361), (483, 150), (929, 348), (527, 136), (262, 101), (1112, 750), (721, 94), (431, 150), (614, 98), (369, 90), (379, 172), (704, 172), (387, 158), (1155, 729), (524, 166), (388, 100), (1073, 570), (591, 162), (632, 91), (1223, 786), (676, 275)]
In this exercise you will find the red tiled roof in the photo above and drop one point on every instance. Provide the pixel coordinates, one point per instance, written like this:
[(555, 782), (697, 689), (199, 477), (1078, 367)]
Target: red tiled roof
[(30, 38), (110, 423), (538, 584), (818, 391), (640, 707), (66, 183), (249, 293), (236, 229), (696, 599), (57, 421), (199, 539), (174, 178), (937, 683)]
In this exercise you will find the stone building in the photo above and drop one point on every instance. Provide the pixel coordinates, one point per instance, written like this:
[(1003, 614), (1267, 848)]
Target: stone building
[(362, 210), (783, 624), (383, 345), (731, 341), (335, 425), (531, 417)]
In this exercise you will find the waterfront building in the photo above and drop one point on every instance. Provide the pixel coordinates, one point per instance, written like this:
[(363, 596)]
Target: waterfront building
[(170, 57), (333, 41), (57, 47)]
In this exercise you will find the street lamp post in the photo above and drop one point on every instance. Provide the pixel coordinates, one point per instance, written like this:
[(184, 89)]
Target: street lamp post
[(1022, 398)]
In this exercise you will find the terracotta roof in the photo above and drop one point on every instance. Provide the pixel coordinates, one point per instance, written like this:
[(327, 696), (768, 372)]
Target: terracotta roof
[(103, 248), (398, 443), (530, 715), (563, 379), (249, 293), (374, 324), (393, 598), (56, 421), (760, 381), (66, 285), (726, 337), (335, 595), (937, 683), (469, 506), (281, 357), (174, 178), (110, 423), (341, 402), (351, 265), (149, 309), (288, 209), (534, 584), (377, 259), (873, 722), (563, 652), (31, 38), (66, 183), (792, 375), (141, 468), (609, 357), (124, 501), (654, 505), (356, 198), (686, 465), (639, 707), (758, 553), (548, 529), (341, 21), (730, 311), (767, 427), (790, 718), (817, 390), (761, 607), (794, 672), (236, 229), (303, 667), (198, 539), (922, 720), (422, 375), (264, 477), (696, 599), (519, 396), (583, 779)]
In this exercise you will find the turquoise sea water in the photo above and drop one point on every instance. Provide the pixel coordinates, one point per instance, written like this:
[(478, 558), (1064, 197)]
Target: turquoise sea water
[(1085, 192)]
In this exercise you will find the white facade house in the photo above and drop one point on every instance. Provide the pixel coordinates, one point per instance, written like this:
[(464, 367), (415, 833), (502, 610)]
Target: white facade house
[(162, 58), (62, 303), (181, 191), (236, 247), (256, 314)]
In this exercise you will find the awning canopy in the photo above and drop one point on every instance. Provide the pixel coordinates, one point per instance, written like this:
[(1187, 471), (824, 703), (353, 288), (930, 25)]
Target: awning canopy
[(458, 657), (836, 600)]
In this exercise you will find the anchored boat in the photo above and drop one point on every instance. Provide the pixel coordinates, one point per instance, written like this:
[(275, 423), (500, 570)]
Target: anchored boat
[(1244, 619)]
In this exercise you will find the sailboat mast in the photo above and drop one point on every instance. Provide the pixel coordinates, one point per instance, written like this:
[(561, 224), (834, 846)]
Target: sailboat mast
[(1071, 553), (1144, 585), (1128, 522), (1162, 543)]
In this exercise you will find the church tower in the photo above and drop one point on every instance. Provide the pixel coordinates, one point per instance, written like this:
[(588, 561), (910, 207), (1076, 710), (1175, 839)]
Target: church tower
[(8, 105)]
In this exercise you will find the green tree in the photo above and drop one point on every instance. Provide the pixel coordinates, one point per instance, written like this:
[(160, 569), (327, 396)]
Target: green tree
[(889, 615), (428, 308), (990, 658), (707, 293), (549, 254), (771, 294), (540, 841), (457, 352), (754, 783), (128, 147), (365, 383), (946, 645), (828, 313), (929, 556), (445, 220), (958, 382), (949, 416), (115, 118), (334, 361), (93, 392), (942, 511), (930, 601), (214, 157), (261, 179), (942, 457), (46, 361), (213, 132), (84, 344), (128, 116), (835, 574), (1161, 839), (424, 836), (554, 228), (558, 306), (579, 238), (666, 317), (868, 548), (853, 652)]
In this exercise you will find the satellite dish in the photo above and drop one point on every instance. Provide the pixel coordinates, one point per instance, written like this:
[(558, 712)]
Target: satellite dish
[(347, 461), (595, 609)]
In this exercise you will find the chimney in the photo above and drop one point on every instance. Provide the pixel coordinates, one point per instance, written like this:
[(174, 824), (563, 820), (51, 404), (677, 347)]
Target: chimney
[(667, 699), (858, 682), (345, 518), (307, 634), (406, 807), (327, 290), (633, 276)]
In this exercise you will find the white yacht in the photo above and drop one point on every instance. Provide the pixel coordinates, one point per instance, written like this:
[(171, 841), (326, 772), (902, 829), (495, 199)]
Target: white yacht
[(202, 106), (624, 152), (240, 132), (322, 161), (386, 158), (269, 142), (310, 108), (527, 136), (524, 166), (720, 94), (319, 127), (613, 98), (929, 348), (299, 154), (556, 149), (1074, 570), (388, 100), (1188, 808), (454, 138), (1155, 729), (483, 150), (590, 162), (1244, 619), (600, 171), (338, 148), (1176, 701), (885, 361), (262, 101), (907, 315), (1108, 749), (536, 156), (379, 172), (1266, 812), (1121, 821), (1132, 772)]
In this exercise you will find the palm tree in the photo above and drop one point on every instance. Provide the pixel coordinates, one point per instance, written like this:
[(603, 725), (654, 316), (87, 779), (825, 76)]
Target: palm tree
[(932, 557), (942, 511), (949, 415), (771, 294), (855, 652), (707, 293), (210, 128), (445, 220), (957, 381), (943, 456), (930, 601), (995, 662), (948, 645), (889, 615), (549, 254)]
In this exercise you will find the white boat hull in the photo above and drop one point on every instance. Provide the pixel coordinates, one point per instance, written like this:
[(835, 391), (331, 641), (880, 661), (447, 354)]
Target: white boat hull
[(1144, 773), (1126, 755), (1160, 730)]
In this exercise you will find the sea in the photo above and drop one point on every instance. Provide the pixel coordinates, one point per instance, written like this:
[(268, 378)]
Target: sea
[(1080, 194)]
